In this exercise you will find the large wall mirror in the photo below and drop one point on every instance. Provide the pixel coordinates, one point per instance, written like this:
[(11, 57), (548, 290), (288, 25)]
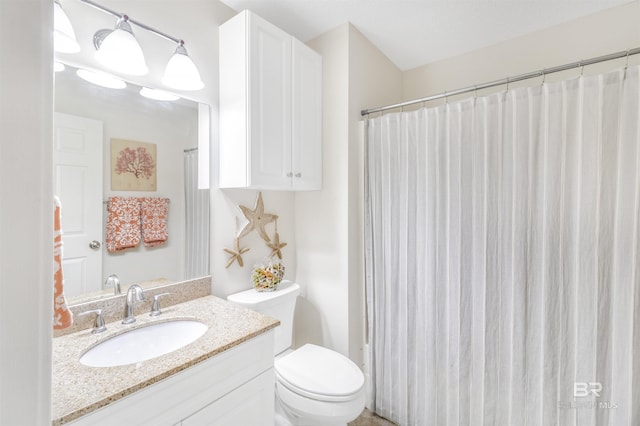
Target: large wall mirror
[(88, 118)]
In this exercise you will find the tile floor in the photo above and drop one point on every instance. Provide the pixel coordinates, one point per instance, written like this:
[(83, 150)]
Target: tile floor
[(368, 418)]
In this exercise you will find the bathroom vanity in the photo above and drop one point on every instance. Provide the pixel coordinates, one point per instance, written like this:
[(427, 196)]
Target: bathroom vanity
[(224, 377)]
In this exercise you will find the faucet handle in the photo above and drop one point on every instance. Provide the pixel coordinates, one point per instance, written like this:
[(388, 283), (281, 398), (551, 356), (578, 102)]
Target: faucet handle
[(98, 324), (155, 306)]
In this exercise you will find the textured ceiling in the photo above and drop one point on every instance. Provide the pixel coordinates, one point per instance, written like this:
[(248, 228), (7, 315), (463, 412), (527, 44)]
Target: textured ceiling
[(416, 32)]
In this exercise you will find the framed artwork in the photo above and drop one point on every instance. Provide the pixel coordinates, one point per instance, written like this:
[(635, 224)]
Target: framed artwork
[(133, 165)]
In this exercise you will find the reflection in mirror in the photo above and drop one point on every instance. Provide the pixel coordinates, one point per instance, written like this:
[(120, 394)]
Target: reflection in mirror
[(88, 118)]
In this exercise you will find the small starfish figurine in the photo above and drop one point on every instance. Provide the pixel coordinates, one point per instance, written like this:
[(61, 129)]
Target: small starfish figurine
[(257, 219), (276, 246), (236, 254)]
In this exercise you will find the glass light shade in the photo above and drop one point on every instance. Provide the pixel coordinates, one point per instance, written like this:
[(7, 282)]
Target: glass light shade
[(158, 95), (101, 79), (64, 38), (181, 73), (119, 50)]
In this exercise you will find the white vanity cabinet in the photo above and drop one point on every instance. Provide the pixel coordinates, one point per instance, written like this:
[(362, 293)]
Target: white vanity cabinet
[(231, 388), (270, 108)]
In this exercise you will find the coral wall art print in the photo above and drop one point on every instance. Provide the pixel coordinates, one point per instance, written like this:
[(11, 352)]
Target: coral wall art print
[(133, 165)]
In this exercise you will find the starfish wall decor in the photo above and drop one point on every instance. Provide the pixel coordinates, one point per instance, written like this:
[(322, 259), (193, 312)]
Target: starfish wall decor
[(257, 219), (275, 245), (236, 254)]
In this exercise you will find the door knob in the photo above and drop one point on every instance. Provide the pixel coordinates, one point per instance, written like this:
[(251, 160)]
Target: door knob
[(94, 245)]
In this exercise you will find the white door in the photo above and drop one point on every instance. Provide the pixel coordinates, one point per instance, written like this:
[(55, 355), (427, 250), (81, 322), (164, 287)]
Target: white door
[(77, 173)]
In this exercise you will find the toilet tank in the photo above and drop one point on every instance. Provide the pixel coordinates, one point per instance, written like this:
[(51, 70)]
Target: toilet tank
[(279, 304)]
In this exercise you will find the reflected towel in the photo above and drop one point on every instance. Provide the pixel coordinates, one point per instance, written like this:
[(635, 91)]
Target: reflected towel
[(123, 223), (154, 220), (62, 316)]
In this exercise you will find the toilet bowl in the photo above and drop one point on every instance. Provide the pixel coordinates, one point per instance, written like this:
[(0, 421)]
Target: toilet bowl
[(314, 385), (318, 386)]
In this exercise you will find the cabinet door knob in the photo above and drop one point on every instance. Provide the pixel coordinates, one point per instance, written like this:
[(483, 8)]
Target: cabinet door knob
[(298, 175), (290, 174)]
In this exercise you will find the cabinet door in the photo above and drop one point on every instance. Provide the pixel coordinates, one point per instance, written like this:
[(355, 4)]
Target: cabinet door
[(250, 404), (306, 117), (270, 105)]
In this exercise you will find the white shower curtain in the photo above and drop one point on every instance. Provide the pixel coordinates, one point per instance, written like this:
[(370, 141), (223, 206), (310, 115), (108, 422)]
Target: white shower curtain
[(502, 257), (196, 220)]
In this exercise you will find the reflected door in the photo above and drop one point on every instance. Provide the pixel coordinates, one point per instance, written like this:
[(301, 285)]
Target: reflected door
[(78, 183)]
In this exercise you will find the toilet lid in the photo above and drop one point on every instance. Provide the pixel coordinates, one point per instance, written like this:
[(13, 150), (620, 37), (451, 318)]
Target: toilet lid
[(319, 372)]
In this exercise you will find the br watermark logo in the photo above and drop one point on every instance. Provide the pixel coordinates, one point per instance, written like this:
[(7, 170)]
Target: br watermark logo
[(586, 396), (582, 389)]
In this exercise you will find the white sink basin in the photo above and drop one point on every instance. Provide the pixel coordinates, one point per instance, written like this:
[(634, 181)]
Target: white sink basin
[(143, 343)]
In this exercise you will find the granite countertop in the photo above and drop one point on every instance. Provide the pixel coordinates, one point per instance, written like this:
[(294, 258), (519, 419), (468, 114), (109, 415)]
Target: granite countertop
[(78, 390)]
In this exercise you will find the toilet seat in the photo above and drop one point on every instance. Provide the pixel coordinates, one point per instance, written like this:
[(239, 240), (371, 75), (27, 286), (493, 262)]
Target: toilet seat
[(319, 373)]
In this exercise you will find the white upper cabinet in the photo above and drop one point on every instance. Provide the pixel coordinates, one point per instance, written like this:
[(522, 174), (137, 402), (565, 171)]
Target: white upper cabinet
[(270, 108)]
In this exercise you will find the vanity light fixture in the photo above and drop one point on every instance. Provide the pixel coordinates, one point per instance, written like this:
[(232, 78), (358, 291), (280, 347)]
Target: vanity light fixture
[(181, 73), (101, 79), (119, 50), (64, 38), (158, 95)]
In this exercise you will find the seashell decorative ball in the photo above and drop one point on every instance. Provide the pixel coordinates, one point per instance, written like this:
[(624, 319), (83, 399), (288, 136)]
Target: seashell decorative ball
[(266, 277)]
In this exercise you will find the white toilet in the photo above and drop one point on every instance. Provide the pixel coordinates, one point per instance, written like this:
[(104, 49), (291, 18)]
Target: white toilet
[(314, 385)]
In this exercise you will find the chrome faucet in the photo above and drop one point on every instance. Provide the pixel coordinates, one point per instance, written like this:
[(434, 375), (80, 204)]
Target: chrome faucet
[(113, 280), (136, 290)]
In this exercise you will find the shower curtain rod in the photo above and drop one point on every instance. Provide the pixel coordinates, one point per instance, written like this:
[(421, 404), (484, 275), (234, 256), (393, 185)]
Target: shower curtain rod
[(539, 73)]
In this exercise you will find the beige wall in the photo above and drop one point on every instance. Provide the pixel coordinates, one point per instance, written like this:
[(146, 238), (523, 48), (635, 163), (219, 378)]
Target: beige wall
[(328, 225), (373, 80), (602, 33), (26, 212), (321, 226)]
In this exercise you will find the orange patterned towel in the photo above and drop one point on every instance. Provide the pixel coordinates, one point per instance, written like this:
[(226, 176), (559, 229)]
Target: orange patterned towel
[(123, 223), (154, 220), (62, 316)]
